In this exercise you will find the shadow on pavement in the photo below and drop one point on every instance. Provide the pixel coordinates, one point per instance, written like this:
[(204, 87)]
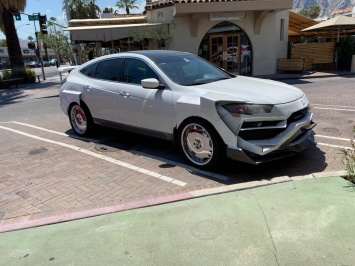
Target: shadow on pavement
[(13, 95), (309, 161)]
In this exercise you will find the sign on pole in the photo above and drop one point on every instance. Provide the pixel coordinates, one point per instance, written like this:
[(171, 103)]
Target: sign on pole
[(33, 17)]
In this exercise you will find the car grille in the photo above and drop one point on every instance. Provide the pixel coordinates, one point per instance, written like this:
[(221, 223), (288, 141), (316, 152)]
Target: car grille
[(268, 129)]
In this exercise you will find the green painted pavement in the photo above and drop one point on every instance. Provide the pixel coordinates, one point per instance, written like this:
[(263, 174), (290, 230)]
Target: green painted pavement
[(306, 222)]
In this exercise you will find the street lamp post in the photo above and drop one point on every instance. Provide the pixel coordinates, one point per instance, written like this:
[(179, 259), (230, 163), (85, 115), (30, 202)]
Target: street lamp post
[(22, 25)]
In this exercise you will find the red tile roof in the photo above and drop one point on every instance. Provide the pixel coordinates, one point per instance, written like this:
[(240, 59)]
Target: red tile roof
[(165, 3), (341, 11)]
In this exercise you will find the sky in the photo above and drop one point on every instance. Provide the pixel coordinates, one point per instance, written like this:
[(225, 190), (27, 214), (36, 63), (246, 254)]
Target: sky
[(53, 8)]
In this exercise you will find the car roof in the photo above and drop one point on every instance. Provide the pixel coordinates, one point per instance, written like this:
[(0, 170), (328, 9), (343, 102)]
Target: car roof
[(158, 53)]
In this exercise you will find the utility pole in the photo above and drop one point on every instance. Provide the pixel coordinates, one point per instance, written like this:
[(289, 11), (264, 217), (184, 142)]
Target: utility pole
[(39, 48)]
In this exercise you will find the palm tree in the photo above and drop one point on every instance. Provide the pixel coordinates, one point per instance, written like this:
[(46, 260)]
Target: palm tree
[(79, 9), (314, 12), (127, 4), (8, 8)]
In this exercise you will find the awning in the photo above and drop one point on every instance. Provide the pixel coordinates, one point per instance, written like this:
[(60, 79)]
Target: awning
[(106, 32), (336, 25), (298, 23)]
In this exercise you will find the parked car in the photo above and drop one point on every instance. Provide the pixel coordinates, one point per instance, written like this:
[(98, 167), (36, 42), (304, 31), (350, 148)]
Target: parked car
[(32, 64), (206, 111), (53, 61), (46, 64)]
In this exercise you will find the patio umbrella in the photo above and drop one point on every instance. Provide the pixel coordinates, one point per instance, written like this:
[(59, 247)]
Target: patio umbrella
[(336, 24)]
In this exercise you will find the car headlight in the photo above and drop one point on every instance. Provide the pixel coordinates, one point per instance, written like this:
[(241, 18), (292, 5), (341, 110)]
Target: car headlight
[(237, 109)]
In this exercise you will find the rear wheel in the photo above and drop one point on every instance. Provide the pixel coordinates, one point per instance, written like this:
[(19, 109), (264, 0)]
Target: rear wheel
[(200, 143), (81, 120)]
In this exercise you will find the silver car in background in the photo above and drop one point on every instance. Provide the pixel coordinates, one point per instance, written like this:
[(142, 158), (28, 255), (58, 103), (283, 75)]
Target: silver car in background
[(210, 114)]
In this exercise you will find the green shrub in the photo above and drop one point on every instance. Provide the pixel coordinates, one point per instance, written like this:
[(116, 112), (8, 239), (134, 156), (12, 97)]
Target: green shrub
[(349, 160), (28, 75)]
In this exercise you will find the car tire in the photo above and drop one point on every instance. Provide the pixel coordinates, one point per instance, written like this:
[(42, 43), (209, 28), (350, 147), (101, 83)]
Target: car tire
[(81, 120), (200, 143)]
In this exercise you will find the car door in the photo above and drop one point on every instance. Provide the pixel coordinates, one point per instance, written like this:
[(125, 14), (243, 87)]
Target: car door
[(100, 90), (145, 108)]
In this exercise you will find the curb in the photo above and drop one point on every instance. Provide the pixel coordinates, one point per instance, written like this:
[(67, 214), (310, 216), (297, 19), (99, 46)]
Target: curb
[(159, 201), (316, 76)]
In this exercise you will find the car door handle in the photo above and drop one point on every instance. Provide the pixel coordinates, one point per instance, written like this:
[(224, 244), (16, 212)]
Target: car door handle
[(124, 94)]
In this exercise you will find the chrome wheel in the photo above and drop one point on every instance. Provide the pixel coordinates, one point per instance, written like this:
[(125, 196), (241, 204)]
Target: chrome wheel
[(197, 144), (78, 119)]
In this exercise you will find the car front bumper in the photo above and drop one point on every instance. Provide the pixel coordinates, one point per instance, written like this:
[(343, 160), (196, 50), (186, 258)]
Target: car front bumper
[(303, 141)]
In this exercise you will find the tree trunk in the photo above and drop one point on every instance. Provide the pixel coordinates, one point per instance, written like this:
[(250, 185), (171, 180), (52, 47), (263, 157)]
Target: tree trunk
[(13, 45)]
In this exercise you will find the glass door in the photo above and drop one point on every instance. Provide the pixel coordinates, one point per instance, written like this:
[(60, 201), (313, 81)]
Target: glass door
[(216, 50), (233, 53), (225, 51)]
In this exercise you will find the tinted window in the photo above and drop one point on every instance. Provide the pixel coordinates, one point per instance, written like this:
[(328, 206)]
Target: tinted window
[(89, 70), (135, 70), (189, 70), (109, 69)]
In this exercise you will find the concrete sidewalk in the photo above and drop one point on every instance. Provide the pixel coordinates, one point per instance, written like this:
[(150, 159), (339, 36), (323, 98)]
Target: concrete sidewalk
[(304, 222)]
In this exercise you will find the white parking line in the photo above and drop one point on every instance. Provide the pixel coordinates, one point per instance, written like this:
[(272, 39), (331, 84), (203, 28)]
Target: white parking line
[(334, 146), (102, 157), (54, 132), (327, 137), (196, 170), (334, 109), (327, 105)]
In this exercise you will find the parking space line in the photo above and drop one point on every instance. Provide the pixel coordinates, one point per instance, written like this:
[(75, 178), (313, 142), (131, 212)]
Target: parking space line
[(334, 109), (343, 106), (328, 137), (333, 146), (102, 157), (55, 132), (207, 173)]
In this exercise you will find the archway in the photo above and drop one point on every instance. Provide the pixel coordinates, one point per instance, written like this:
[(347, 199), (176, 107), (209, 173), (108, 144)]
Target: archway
[(227, 46)]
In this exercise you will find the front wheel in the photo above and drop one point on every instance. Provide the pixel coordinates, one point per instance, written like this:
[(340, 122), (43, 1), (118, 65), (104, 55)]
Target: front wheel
[(80, 120), (200, 143)]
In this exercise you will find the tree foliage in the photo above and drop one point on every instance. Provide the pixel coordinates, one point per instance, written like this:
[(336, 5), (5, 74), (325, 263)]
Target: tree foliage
[(78, 9), (57, 40), (159, 34), (312, 13), (127, 5), (8, 8)]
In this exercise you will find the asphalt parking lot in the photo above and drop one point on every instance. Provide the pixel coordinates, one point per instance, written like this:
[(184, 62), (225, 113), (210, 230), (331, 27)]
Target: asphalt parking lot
[(47, 171)]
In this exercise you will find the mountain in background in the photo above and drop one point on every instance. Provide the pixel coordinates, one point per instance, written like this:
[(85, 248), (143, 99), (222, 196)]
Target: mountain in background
[(325, 5)]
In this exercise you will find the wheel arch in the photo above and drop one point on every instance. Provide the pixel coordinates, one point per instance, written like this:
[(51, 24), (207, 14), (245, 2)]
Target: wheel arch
[(183, 122)]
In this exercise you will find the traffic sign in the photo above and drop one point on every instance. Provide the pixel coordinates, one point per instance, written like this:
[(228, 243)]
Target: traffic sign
[(33, 17)]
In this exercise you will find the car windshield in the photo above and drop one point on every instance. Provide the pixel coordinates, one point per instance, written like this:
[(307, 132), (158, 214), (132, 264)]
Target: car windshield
[(188, 70)]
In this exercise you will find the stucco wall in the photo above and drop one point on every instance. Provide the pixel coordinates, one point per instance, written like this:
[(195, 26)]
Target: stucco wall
[(267, 46)]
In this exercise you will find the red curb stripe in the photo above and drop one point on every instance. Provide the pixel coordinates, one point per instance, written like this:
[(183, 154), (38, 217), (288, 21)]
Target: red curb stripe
[(92, 213)]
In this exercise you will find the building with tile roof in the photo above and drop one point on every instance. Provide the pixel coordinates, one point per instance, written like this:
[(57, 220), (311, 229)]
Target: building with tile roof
[(241, 36)]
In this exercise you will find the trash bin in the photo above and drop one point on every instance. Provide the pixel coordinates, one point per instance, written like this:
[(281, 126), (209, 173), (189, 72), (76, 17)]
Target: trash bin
[(352, 64)]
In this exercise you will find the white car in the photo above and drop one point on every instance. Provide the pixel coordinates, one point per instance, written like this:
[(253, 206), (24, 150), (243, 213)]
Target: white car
[(178, 96)]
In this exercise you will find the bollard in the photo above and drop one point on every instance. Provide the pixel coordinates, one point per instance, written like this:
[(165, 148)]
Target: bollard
[(352, 64)]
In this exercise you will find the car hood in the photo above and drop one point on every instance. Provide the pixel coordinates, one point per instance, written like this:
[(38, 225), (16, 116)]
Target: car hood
[(258, 91)]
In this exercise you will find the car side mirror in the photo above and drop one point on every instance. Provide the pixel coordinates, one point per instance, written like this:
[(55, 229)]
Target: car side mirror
[(151, 83)]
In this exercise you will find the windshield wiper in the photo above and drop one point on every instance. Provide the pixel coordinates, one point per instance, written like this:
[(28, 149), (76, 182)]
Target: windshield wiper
[(220, 79), (196, 83)]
